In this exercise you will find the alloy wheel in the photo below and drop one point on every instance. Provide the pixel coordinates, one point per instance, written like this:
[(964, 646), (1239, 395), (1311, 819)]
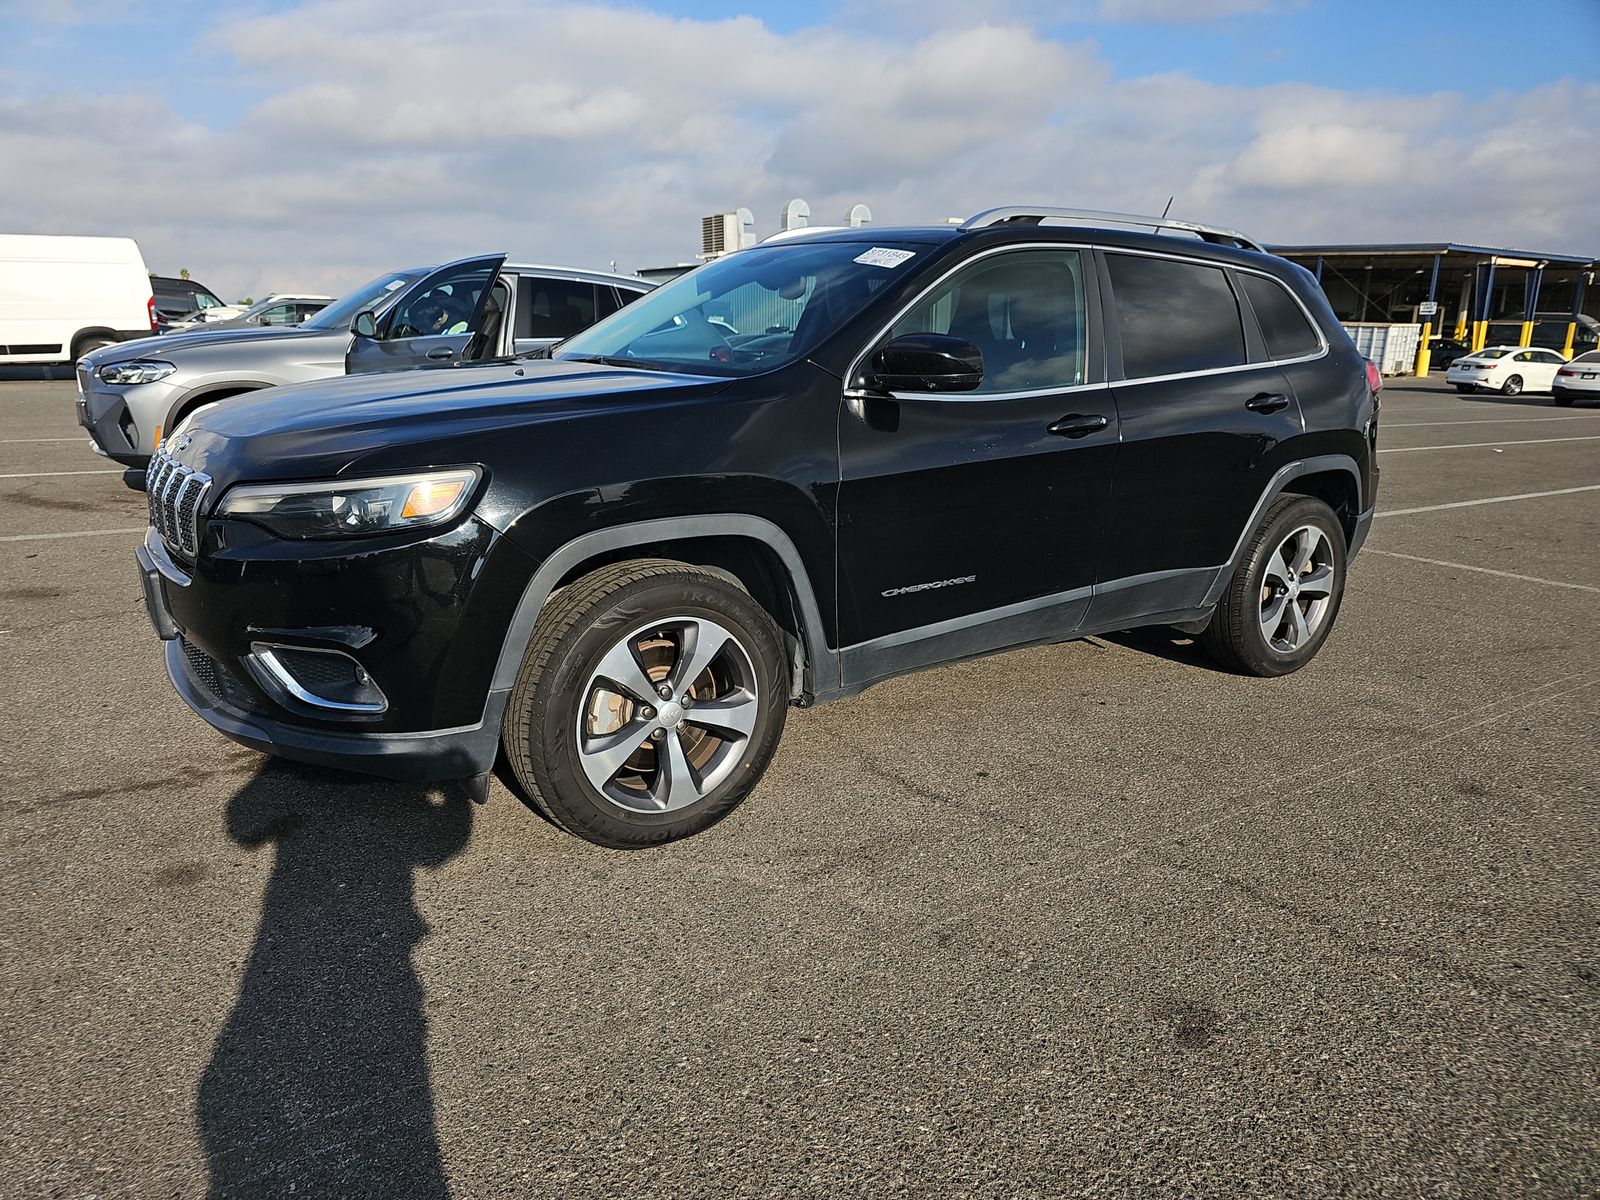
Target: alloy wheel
[(666, 714), (1296, 589)]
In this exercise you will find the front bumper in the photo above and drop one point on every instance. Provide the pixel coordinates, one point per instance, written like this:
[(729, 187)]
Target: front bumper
[(424, 620), (223, 697), (1359, 537), (435, 754), (122, 421)]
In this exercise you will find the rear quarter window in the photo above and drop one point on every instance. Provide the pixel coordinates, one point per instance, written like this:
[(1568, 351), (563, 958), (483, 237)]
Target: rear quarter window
[(1174, 317), (1283, 323)]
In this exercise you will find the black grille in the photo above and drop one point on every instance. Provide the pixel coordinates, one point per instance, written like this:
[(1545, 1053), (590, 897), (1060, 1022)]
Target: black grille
[(175, 493), (215, 677)]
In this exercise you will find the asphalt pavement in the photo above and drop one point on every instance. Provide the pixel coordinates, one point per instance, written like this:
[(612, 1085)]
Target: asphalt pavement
[(1092, 918)]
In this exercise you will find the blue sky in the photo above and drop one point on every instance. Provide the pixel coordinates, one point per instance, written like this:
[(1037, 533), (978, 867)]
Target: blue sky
[(1406, 48), (326, 137)]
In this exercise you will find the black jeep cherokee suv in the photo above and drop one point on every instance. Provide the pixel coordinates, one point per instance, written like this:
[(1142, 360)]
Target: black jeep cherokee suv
[(796, 471)]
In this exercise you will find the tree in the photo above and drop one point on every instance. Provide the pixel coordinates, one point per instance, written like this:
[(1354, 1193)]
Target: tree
[(183, 273)]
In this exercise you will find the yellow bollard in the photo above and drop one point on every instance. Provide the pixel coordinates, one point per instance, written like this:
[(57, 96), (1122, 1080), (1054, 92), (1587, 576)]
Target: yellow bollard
[(1480, 336), (1527, 334), (1424, 351), (1572, 333)]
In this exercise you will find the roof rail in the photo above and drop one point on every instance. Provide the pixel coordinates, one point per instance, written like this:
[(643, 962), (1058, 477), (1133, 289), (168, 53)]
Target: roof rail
[(1028, 214)]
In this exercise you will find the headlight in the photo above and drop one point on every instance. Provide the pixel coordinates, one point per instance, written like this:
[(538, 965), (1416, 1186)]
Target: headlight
[(138, 370), (336, 508)]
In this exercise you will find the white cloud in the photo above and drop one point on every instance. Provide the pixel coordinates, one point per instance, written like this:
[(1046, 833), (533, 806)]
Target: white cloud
[(395, 132), (1326, 154)]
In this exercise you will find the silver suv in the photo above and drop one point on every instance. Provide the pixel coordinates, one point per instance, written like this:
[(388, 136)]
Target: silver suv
[(476, 308)]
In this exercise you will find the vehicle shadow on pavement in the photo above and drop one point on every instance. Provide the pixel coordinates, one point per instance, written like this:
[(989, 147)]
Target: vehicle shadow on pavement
[(1165, 643), (318, 1083)]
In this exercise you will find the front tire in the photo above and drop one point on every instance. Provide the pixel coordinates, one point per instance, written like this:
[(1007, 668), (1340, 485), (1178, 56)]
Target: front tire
[(1281, 603), (1512, 386), (649, 702)]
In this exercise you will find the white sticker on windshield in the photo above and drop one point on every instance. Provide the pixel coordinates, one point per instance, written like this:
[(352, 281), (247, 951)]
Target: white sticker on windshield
[(392, 284), (880, 256)]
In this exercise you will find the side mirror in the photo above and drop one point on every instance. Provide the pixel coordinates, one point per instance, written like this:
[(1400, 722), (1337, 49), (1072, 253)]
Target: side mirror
[(364, 325), (927, 362)]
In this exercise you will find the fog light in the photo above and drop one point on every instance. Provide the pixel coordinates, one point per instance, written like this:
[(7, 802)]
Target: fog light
[(313, 677)]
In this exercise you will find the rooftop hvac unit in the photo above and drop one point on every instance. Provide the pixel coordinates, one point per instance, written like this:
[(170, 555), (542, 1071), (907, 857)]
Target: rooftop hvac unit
[(723, 233)]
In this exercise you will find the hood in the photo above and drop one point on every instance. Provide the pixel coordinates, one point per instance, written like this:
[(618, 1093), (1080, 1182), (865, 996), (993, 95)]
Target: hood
[(165, 346), (407, 418)]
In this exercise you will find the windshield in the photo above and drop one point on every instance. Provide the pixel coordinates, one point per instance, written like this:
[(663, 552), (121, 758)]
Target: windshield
[(339, 314), (746, 313)]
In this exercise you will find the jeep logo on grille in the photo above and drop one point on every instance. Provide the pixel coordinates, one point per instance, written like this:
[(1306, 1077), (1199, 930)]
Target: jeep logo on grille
[(181, 442)]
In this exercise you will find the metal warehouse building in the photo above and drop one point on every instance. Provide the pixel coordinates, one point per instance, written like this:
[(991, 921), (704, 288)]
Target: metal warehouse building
[(1480, 295)]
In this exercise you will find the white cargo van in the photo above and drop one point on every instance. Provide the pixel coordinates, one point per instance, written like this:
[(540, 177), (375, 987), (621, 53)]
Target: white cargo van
[(61, 297)]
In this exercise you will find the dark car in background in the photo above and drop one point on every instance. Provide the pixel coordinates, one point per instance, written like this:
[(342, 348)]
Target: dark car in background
[(176, 298), (1443, 351)]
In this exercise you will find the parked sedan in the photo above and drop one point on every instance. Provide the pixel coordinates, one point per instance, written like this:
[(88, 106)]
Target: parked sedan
[(1509, 370), (479, 308), (280, 308), (1579, 379)]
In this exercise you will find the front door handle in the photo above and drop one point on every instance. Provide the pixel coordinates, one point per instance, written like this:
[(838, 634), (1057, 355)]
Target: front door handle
[(1077, 425), (1267, 402), (441, 352)]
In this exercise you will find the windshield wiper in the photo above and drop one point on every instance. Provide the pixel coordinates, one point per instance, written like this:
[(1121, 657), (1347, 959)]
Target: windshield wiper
[(643, 364)]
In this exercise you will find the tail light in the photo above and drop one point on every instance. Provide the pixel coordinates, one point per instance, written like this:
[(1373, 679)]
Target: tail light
[(1374, 377), (1566, 371), (150, 311)]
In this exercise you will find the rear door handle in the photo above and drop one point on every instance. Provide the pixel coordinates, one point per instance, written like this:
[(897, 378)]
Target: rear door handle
[(441, 352), (1077, 425), (1267, 402)]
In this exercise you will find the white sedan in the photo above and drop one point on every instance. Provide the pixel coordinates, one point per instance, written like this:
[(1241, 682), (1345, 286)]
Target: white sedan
[(1579, 379), (1510, 370)]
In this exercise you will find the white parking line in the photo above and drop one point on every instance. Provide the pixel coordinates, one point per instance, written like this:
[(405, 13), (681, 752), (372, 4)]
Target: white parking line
[(1590, 437), (1594, 416), (1455, 566), (49, 537), (1406, 512), (48, 474)]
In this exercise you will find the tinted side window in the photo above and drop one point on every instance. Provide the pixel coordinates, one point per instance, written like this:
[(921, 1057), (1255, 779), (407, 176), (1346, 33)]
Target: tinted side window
[(1174, 316), (1284, 326), (1024, 311), (554, 308), (606, 302)]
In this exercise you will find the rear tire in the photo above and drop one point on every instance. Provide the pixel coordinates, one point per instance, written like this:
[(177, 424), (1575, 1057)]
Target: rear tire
[(1563, 401), (1463, 388), (1512, 386), (1277, 613), (591, 739)]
